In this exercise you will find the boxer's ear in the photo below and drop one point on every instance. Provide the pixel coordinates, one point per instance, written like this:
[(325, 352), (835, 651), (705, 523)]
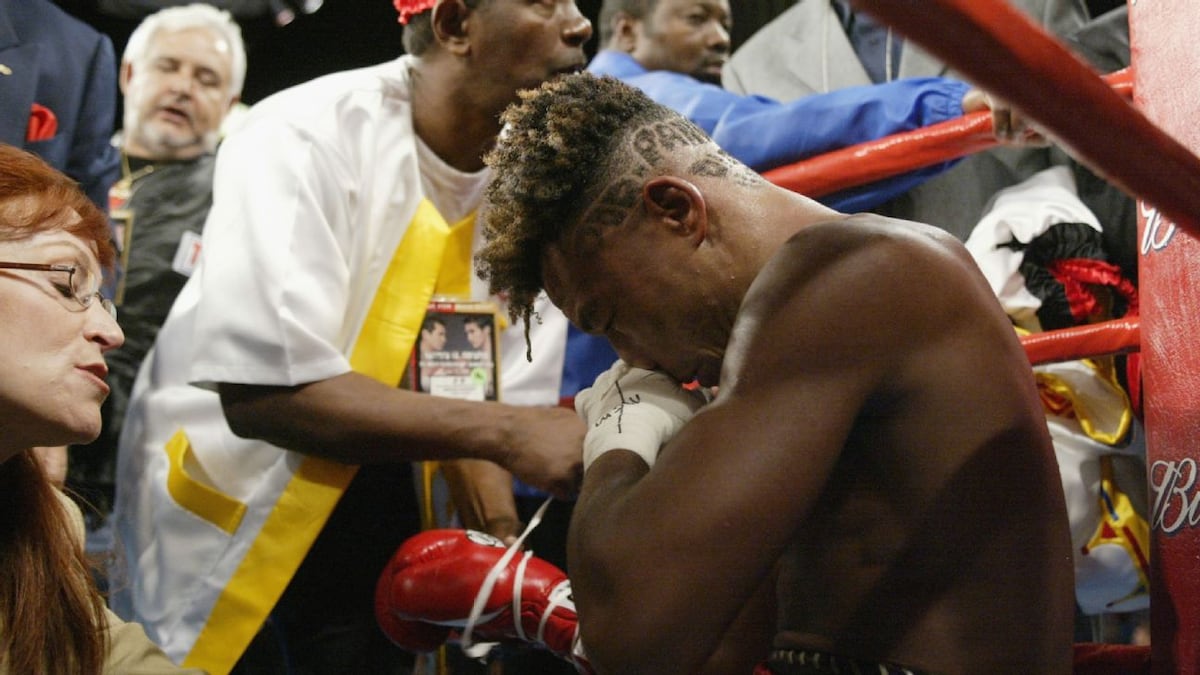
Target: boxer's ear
[(678, 205)]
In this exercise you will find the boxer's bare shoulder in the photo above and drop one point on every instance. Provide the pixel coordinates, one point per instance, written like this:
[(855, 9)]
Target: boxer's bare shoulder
[(843, 288), (905, 398)]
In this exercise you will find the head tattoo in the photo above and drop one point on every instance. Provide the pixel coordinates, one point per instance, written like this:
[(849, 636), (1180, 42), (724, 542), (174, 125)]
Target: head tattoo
[(572, 159)]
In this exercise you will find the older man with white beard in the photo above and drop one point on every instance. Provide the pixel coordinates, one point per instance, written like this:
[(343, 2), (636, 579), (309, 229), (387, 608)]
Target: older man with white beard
[(181, 74)]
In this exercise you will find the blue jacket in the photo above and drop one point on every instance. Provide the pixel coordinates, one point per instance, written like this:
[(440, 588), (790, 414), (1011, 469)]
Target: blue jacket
[(50, 58), (765, 133)]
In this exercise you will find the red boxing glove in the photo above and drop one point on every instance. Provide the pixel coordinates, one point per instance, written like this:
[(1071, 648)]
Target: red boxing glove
[(428, 589), (415, 636)]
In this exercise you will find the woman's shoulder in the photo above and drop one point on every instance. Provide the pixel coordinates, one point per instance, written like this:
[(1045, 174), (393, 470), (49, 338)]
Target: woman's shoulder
[(131, 652)]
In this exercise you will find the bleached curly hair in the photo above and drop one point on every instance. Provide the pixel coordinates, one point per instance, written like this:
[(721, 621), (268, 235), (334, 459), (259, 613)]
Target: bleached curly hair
[(575, 152)]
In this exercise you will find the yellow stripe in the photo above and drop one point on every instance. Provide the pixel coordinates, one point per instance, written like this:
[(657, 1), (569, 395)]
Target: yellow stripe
[(1128, 529), (1095, 419), (264, 572), (455, 276), (429, 471), (454, 280), (394, 320), (381, 352), (218, 509)]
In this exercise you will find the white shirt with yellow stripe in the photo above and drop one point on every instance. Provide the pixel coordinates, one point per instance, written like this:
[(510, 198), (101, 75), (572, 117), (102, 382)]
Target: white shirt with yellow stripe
[(320, 255)]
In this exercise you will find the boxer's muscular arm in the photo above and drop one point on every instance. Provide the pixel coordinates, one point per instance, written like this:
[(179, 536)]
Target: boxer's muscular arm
[(662, 562), (355, 419), (676, 553), (750, 637)]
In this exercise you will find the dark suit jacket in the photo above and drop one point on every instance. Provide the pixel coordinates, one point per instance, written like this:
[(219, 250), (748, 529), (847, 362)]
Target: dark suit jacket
[(51, 58)]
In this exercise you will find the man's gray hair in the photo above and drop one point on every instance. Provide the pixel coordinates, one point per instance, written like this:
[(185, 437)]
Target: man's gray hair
[(195, 15)]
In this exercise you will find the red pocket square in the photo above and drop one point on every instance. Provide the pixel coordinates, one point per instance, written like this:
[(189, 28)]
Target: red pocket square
[(43, 124)]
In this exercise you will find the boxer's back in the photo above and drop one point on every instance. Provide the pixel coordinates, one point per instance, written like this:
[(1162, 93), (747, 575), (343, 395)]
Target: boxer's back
[(939, 538)]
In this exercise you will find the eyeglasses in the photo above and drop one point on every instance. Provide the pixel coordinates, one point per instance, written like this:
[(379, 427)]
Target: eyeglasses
[(81, 286)]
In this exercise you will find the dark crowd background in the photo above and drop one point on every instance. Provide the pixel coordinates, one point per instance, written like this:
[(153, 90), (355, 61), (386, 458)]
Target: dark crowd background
[(343, 34)]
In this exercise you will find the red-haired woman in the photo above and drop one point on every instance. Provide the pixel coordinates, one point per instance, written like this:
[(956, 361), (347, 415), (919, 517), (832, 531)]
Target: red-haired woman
[(56, 327)]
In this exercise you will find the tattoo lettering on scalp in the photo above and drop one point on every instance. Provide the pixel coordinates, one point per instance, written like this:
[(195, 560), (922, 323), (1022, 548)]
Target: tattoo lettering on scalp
[(620, 193), (650, 140), (744, 176), (669, 136), (612, 206), (645, 143), (710, 166), (693, 133), (716, 164), (619, 196), (720, 164), (603, 216)]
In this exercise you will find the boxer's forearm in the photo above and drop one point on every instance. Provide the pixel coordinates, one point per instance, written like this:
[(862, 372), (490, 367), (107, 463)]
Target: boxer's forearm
[(606, 549), (642, 563)]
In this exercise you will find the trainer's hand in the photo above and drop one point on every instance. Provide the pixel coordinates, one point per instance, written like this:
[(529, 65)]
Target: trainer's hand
[(545, 449), (634, 409), (1008, 124)]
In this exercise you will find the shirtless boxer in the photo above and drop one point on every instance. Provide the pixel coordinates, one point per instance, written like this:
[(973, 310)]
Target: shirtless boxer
[(876, 459)]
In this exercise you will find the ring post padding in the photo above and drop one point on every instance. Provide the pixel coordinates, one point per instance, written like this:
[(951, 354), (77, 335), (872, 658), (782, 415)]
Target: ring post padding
[(1166, 87)]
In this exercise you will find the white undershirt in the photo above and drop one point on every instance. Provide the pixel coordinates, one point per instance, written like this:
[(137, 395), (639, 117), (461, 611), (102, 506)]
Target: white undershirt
[(454, 193)]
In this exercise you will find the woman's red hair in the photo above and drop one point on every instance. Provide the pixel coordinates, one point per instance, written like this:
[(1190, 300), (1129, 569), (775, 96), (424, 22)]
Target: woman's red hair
[(52, 617), (34, 197)]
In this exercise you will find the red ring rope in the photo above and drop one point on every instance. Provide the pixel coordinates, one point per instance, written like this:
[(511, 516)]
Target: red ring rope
[(1003, 51), (1119, 336), (874, 160)]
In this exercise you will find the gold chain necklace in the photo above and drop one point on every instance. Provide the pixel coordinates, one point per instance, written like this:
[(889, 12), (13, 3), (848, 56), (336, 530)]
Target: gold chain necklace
[(122, 190), (122, 217)]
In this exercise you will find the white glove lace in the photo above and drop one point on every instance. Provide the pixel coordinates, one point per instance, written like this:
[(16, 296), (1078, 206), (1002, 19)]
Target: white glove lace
[(560, 596), (489, 584)]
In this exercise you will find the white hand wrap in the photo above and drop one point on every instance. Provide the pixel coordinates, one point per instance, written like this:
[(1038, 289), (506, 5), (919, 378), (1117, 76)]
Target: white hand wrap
[(633, 409)]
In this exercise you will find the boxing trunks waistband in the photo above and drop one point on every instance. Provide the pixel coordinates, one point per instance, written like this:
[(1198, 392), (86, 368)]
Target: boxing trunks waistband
[(815, 662)]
